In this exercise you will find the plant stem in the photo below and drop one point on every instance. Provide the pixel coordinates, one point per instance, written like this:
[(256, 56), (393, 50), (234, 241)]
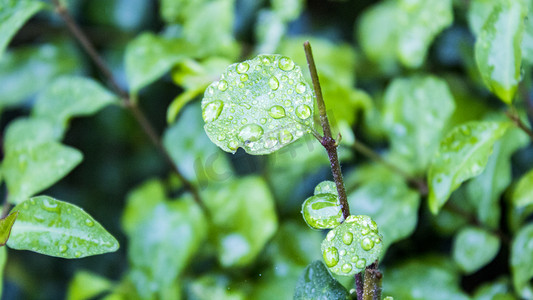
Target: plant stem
[(513, 116), (139, 116), (372, 286), (359, 287), (327, 140)]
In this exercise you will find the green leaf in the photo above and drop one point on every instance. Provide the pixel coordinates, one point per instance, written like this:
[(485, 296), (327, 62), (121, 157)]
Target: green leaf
[(149, 57), (260, 105), (87, 285), (462, 154), (5, 227), (473, 248), (27, 70), (386, 198), (269, 31), (484, 191), (522, 261), (68, 97), (199, 159), (28, 171), (317, 283), (244, 219), (326, 187), (163, 236), (3, 259), (522, 195), (288, 10), (25, 133), (416, 110), (498, 49), (13, 14), (498, 290), (478, 13), (527, 40), (352, 246), (213, 287), (423, 278), (322, 211), (56, 228)]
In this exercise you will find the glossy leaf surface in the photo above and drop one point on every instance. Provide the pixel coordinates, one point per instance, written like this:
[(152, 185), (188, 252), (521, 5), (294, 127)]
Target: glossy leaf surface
[(317, 283), (523, 192), (322, 211), (5, 227), (56, 228), (473, 248)]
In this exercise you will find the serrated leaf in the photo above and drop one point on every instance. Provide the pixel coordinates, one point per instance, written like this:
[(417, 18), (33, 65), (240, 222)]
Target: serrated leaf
[(522, 261), (28, 171), (416, 110), (5, 227), (26, 70), (498, 49), (260, 105), (522, 195), (462, 154), (87, 285), (423, 278), (13, 14), (352, 246), (484, 190), (69, 97), (199, 159), (317, 283), (56, 228), (149, 57), (473, 248), (244, 219)]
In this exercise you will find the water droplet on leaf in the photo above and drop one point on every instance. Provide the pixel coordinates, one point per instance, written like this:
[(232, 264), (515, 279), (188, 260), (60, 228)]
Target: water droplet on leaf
[(242, 67), (250, 133), (346, 268), (303, 111), (212, 111), (347, 238), (277, 112), (222, 85), (273, 83), (331, 256), (367, 244), (286, 64)]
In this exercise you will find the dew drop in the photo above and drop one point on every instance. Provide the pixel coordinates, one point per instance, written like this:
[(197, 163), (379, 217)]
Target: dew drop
[(355, 258), (210, 91), (285, 136), (250, 133), (77, 254), (212, 111), (367, 244), (347, 238), (244, 121), (25, 206), (263, 121), (244, 77), (277, 112), (360, 264), (242, 67), (287, 103), (331, 256), (342, 252), (222, 85), (273, 83), (300, 88), (38, 218), (365, 231), (351, 219), (286, 64), (232, 145), (50, 206), (303, 111), (331, 235), (346, 268), (271, 142), (63, 248), (221, 137), (89, 222)]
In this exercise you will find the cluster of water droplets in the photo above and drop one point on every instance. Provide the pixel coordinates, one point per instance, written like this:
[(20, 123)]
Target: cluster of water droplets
[(260, 105), (352, 246)]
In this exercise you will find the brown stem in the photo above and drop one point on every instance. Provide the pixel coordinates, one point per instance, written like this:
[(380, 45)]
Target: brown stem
[(372, 286), (513, 116), (139, 116), (359, 287), (327, 140)]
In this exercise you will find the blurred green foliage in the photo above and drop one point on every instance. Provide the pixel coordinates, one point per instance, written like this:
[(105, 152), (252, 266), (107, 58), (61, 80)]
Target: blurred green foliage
[(425, 84)]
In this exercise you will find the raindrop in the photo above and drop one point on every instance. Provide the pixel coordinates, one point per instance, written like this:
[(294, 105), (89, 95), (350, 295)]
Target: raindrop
[(276, 112), (285, 136), (232, 145), (367, 244), (347, 238), (50, 206), (242, 67), (89, 222), (77, 254), (212, 111), (331, 235), (300, 88), (222, 85), (342, 252), (250, 133), (263, 121), (355, 258), (244, 77), (351, 219), (271, 142), (273, 83), (360, 264), (63, 248), (286, 64), (303, 111), (346, 268), (331, 256)]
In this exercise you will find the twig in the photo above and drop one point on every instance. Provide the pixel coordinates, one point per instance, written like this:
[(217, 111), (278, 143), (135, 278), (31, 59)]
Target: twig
[(359, 287), (372, 285), (513, 116), (327, 140), (126, 99)]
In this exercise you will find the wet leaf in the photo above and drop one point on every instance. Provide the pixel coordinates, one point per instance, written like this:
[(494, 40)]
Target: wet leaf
[(5, 227), (352, 246), (13, 14), (522, 261), (317, 283), (462, 154), (473, 248), (56, 228), (260, 105), (498, 49), (322, 211)]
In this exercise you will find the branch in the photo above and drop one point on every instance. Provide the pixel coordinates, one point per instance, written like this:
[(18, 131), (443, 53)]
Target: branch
[(126, 99), (372, 286), (327, 140), (513, 116)]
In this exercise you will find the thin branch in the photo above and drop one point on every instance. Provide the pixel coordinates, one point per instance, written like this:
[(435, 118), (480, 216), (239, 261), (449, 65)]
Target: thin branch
[(327, 140), (359, 286), (126, 99), (372, 285), (513, 116)]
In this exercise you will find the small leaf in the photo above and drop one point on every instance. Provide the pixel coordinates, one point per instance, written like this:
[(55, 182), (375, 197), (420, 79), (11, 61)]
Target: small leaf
[(28, 171), (5, 227), (499, 290), (462, 154), (317, 283), (416, 110), (322, 211), (498, 49), (13, 14), (473, 248), (326, 187), (260, 105), (56, 228), (87, 285), (25, 133), (69, 97), (522, 261), (352, 246), (149, 56), (523, 192)]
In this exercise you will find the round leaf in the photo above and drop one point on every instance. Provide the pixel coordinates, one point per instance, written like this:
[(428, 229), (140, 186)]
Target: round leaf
[(322, 211), (474, 248), (522, 261), (260, 105), (317, 283), (326, 187)]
